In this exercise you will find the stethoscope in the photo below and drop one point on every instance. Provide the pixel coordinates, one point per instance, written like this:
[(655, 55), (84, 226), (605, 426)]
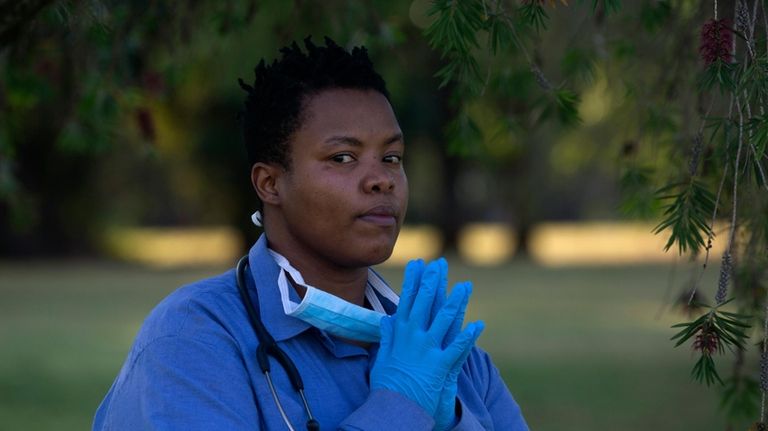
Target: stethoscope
[(268, 347)]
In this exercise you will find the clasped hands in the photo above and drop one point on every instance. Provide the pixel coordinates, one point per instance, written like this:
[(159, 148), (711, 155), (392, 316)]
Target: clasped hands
[(423, 346)]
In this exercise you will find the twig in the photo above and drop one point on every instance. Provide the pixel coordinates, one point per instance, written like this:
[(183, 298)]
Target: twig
[(763, 359), (710, 234)]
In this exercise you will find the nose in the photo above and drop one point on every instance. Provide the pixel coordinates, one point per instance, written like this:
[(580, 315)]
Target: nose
[(378, 179)]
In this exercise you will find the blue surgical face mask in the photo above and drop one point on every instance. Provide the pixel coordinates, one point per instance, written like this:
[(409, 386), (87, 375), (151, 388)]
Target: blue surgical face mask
[(331, 313)]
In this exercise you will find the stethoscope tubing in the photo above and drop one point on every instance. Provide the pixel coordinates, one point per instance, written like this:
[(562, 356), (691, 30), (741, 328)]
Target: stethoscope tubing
[(268, 347)]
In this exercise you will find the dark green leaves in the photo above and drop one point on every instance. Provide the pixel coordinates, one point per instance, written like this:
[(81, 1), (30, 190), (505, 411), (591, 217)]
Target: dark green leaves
[(609, 6), (464, 136), (637, 192), (721, 73), (690, 206), (567, 103), (712, 333), (561, 104), (741, 397), (704, 371), (500, 33), (533, 14), (758, 129), (453, 34)]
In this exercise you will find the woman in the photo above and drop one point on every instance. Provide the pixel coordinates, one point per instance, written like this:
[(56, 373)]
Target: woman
[(326, 153)]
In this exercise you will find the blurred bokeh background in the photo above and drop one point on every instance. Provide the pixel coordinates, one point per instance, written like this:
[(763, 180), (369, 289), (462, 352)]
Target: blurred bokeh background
[(123, 176)]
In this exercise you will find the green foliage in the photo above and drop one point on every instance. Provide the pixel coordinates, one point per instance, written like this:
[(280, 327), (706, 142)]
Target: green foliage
[(464, 135), (752, 82), (567, 106), (757, 127), (533, 14), (740, 397), (609, 6), (687, 215), (655, 14), (704, 371), (638, 198), (453, 34), (713, 331), (500, 33), (579, 63), (562, 105), (721, 73)]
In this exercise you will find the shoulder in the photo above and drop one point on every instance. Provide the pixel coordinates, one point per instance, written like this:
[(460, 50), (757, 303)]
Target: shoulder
[(194, 310)]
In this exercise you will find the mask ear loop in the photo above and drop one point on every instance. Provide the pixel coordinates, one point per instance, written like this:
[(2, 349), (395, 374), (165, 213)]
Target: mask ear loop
[(257, 219)]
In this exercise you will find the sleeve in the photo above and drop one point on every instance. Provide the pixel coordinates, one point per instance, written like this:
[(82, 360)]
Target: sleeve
[(498, 407), (387, 410), (176, 382)]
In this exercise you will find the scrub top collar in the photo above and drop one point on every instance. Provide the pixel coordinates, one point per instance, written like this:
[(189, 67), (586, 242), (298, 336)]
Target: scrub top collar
[(264, 272)]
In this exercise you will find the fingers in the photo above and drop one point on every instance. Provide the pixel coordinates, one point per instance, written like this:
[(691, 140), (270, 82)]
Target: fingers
[(411, 281), (458, 322), (453, 375), (442, 288), (422, 305), (462, 345), (451, 316)]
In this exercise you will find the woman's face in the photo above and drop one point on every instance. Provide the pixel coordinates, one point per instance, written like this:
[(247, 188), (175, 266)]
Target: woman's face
[(345, 196)]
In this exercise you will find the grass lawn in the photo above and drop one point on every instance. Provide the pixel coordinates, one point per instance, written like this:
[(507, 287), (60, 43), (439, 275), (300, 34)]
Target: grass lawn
[(581, 348)]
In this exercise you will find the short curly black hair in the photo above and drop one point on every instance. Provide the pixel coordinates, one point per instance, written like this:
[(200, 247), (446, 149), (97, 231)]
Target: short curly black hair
[(274, 104)]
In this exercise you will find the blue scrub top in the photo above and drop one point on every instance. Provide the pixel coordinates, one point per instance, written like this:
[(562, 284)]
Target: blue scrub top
[(193, 367)]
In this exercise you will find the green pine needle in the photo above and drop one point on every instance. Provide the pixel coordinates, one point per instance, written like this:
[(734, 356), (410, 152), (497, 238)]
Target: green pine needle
[(686, 215)]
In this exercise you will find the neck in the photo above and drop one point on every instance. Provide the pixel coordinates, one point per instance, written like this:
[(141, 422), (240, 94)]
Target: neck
[(345, 283)]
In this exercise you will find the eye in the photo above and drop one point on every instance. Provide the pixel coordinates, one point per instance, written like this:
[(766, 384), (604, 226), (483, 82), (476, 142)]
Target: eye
[(343, 158), (393, 158)]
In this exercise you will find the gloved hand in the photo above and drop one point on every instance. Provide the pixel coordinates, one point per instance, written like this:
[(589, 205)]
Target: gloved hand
[(413, 359), (445, 416)]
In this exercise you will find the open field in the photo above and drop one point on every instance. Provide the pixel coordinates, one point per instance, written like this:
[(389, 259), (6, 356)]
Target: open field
[(581, 348)]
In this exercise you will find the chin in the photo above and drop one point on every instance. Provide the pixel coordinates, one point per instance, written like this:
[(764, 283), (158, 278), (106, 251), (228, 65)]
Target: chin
[(372, 253)]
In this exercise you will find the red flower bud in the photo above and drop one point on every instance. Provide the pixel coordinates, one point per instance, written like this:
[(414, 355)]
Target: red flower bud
[(716, 41)]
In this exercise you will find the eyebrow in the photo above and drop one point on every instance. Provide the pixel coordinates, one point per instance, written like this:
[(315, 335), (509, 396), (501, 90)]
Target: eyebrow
[(349, 140)]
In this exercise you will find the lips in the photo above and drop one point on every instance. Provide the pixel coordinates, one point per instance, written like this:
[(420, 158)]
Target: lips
[(382, 215)]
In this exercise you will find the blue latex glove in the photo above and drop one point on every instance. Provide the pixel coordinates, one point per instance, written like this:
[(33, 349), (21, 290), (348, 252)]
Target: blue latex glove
[(445, 416), (412, 359)]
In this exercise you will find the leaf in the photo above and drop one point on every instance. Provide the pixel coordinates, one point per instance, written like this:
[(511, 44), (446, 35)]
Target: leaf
[(567, 104), (609, 6), (740, 397), (533, 14), (464, 135), (500, 33), (704, 371), (686, 216), (579, 63), (721, 73), (638, 196), (453, 34)]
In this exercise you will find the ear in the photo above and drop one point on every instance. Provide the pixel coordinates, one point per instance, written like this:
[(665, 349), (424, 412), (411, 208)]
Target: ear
[(264, 180)]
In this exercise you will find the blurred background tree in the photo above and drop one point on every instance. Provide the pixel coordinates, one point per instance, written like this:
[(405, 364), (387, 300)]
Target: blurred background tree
[(124, 113)]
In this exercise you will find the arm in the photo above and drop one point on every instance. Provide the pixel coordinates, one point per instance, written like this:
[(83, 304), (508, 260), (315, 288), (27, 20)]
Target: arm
[(482, 377), (176, 382)]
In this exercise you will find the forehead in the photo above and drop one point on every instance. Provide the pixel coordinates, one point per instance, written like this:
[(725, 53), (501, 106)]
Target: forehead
[(363, 114)]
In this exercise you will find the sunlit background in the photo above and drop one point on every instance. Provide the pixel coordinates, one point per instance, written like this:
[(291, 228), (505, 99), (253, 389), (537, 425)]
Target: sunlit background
[(123, 177)]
